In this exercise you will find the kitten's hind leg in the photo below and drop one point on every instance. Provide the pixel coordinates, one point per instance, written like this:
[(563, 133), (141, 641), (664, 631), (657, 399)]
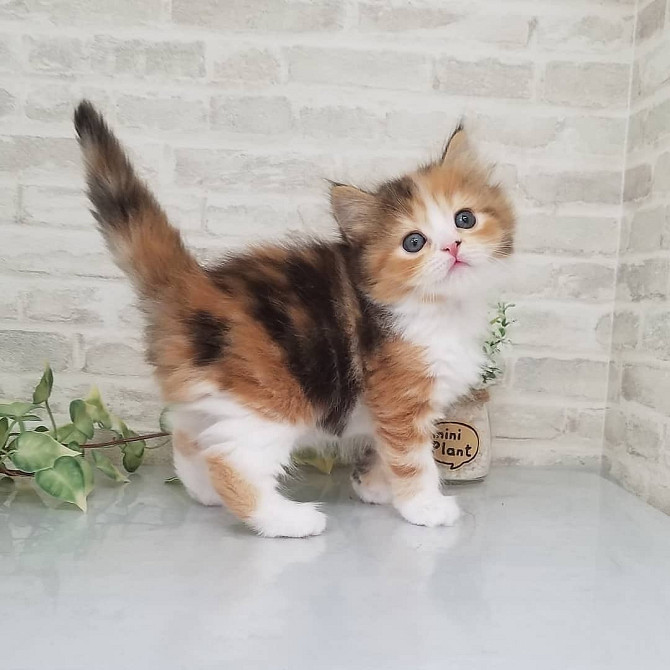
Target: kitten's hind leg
[(370, 478), (244, 454)]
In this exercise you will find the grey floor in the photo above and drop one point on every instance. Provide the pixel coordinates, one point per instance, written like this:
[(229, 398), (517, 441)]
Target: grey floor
[(548, 569)]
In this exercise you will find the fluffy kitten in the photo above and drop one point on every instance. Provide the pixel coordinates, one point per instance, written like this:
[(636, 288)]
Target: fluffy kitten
[(371, 336)]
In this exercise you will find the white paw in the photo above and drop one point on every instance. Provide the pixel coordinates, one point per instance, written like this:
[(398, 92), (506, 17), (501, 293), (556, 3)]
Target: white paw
[(430, 509), (375, 492), (289, 519)]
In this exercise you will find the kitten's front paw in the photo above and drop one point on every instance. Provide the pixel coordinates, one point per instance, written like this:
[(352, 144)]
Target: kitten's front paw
[(430, 509), (289, 519), (372, 491)]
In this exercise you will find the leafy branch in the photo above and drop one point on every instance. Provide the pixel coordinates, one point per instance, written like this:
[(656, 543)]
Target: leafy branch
[(56, 457), (498, 338)]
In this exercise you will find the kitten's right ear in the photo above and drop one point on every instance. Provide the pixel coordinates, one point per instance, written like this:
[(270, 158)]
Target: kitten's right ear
[(353, 210)]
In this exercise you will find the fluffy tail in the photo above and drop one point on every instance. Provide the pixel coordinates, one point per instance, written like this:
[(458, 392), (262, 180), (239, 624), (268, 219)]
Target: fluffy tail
[(136, 229)]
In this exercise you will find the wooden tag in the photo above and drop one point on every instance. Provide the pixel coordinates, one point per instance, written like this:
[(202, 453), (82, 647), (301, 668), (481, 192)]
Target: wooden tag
[(454, 443)]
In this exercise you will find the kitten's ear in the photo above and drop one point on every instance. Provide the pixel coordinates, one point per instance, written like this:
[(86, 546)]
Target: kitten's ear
[(457, 146), (353, 209)]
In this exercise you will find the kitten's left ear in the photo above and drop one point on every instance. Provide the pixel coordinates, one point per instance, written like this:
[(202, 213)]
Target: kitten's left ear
[(457, 146), (353, 210)]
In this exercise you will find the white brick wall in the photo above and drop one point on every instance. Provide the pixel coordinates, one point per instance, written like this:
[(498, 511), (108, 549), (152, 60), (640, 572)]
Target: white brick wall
[(637, 432), (236, 111)]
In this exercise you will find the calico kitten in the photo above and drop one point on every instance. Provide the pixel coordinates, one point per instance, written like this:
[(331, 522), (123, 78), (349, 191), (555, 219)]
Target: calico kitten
[(370, 336)]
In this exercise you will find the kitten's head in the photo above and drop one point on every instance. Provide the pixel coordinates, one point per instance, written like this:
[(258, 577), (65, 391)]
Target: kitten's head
[(440, 231)]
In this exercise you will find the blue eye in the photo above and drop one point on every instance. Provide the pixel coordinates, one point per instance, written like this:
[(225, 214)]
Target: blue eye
[(465, 219), (413, 242)]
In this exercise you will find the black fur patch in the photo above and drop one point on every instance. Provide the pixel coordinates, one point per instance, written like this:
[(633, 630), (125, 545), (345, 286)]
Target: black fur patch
[(396, 195), (208, 335)]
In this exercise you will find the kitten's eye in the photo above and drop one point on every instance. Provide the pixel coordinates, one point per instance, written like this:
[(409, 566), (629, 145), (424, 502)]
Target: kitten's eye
[(465, 219), (413, 242)]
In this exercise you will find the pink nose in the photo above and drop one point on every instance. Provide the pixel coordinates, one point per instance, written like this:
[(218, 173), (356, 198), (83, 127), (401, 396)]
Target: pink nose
[(453, 248)]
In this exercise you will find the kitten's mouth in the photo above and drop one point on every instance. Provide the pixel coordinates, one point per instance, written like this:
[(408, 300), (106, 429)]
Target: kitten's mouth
[(457, 264)]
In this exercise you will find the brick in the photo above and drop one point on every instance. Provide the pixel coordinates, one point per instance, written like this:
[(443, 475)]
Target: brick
[(25, 351), (515, 421), (67, 305), (449, 23), (425, 127), (662, 174), (643, 437), (245, 66), (40, 156), (646, 230), (659, 490), (650, 20), (534, 132), (584, 33), (594, 135), (69, 12), (562, 187), (161, 112), (56, 102), (645, 280), (351, 67), (636, 130), (630, 475), (9, 203), (115, 358), (241, 220), (576, 327), (583, 281), (665, 240), (234, 170), (340, 122), (292, 15), (657, 123), (573, 378), (585, 423), (586, 84), (654, 69), (573, 235), (626, 326), (648, 385), (9, 53), (56, 55), (55, 206), (488, 77), (68, 253), (656, 334), (8, 102), (254, 114), (9, 298), (169, 59), (637, 182), (615, 427)]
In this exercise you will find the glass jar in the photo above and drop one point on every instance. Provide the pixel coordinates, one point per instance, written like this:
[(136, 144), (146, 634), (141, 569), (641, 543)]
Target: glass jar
[(462, 440)]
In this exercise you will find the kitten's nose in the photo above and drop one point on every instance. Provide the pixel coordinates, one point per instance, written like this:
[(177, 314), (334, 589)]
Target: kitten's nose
[(453, 248)]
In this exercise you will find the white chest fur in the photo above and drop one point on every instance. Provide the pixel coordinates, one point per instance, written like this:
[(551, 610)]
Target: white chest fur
[(451, 335)]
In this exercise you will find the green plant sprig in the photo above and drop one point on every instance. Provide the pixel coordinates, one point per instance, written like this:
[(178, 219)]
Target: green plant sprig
[(55, 458), (497, 339)]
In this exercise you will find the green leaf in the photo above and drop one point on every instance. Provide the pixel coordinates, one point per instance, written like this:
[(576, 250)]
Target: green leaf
[(164, 421), (89, 477), (42, 391), (80, 418), (66, 480), (75, 447), (70, 433), (106, 466), (97, 409), (322, 463), (173, 480), (4, 430), (37, 451), (133, 454), (16, 410)]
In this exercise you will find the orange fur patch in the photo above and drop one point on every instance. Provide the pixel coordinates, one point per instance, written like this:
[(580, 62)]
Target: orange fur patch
[(240, 496)]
